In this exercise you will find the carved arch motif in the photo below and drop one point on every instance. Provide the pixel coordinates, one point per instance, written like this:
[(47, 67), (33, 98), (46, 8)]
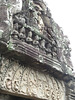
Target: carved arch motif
[(28, 81)]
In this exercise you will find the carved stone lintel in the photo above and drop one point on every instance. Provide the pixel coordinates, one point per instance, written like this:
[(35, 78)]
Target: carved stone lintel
[(27, 81)]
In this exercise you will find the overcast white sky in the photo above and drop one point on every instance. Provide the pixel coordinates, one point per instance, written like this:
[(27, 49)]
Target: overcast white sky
[(63, 12)]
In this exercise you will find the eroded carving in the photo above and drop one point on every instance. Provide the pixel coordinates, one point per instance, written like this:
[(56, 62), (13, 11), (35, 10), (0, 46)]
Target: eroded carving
[(8, 8), (30, 21), (28, 81)]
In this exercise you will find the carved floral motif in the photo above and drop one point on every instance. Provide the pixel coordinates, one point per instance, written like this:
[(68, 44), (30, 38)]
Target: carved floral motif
[(28, 81)]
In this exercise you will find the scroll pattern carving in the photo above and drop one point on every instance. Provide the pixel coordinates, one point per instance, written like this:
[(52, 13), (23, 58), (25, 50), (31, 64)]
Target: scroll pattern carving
[(19, 79)]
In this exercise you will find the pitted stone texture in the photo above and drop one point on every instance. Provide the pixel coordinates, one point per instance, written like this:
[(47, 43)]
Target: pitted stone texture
[(30, 21), (3, 17), (14, 6), (7, 9), (27, 81), (3, 12)]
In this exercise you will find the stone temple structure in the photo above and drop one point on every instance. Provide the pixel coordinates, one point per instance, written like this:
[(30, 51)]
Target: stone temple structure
[(34, 54)]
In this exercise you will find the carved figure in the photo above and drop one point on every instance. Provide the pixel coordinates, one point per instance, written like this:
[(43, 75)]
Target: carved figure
[(27, 30), (30, 21)]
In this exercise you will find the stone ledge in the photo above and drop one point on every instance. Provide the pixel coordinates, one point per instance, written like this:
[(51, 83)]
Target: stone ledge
[(34, 56)]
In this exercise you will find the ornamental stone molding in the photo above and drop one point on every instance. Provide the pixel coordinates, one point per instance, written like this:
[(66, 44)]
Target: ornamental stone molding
[(35, 55), (28, 81)]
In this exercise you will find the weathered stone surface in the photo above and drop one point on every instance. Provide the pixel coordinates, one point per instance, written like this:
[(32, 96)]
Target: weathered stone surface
[(3, 17), (29, 35), (27, 81), (7, 9), (70, 88), (31, 23)]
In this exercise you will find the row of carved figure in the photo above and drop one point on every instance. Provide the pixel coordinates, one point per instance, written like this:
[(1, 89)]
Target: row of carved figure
[(30, 21), (32, 35), (36, 27)]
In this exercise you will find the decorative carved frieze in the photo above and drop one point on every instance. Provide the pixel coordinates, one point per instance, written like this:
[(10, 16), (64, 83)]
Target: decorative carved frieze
[(28, 81)]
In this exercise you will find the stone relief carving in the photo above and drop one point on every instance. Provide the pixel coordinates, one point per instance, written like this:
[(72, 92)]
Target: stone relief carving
[(45, 33), (8, 8), (63, 45), (35, 33), (30, 21), (19, 79)]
